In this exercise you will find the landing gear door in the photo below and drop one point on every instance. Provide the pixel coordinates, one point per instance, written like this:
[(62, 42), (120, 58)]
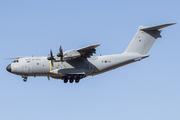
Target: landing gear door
[(91, 67)]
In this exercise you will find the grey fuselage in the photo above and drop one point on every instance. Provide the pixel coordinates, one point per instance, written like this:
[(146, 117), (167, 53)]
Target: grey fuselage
[(40, 66)]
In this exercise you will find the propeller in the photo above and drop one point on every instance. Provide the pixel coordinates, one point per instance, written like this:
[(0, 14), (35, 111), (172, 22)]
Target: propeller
[(60, 54), (51, 57)]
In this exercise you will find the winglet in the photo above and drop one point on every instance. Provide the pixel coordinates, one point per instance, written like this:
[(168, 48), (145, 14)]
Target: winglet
[(157, 27)]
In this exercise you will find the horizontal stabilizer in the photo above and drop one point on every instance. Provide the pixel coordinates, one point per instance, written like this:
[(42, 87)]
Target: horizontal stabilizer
[(158, 27)]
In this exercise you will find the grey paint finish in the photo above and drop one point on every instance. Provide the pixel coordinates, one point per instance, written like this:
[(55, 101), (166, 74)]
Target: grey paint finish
[(77, 63)]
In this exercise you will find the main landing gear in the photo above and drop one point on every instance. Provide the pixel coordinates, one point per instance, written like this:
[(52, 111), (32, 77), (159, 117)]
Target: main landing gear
[(72, 78), (25, 78)]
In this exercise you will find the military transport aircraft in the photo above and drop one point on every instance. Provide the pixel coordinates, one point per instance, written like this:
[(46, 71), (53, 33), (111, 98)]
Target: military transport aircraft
[(74, 65)]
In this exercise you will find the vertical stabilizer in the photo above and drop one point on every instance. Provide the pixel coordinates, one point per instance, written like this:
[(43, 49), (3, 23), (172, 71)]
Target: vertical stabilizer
[(145, 38)]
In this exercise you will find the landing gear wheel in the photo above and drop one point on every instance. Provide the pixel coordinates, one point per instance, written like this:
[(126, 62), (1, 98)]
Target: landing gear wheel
[(71, 80), (77, 80), (25, 79), (65, 80)]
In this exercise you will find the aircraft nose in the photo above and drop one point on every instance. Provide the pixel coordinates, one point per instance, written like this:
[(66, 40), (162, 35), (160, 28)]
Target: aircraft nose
[(8, 68)]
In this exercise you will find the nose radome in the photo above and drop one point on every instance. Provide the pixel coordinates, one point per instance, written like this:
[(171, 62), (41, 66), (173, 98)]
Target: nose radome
[(8, 68)]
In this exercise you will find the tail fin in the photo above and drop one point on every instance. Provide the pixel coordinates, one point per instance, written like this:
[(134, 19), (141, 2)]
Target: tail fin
[(145, 38)]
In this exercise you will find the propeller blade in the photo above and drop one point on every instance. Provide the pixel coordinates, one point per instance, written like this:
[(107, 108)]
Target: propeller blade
[(61, 50), (60, 54), (51, 53), (61, 58), (51, 57), (52, 63)]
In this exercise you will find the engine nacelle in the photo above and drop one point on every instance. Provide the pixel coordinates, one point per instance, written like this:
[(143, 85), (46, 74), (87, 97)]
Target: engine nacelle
[(71, 54)]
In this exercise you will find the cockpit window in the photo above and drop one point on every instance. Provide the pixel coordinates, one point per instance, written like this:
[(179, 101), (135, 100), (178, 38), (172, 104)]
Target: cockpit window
[(15, 61)]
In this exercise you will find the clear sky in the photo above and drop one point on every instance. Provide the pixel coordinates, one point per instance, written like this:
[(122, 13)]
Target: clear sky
[(145, 90)]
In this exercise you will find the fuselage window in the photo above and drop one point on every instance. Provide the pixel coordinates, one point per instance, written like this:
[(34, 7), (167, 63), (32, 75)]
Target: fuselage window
[(37, 63)]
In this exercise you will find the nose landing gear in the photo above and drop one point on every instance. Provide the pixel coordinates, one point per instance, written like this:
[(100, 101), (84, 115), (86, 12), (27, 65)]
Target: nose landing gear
[(25, 77)]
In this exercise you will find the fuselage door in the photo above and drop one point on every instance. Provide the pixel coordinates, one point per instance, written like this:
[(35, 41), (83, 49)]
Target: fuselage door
[(27, 69)]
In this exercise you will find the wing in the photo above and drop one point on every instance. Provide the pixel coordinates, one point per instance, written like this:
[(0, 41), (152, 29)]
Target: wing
[(84, 52), (88, 51)]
